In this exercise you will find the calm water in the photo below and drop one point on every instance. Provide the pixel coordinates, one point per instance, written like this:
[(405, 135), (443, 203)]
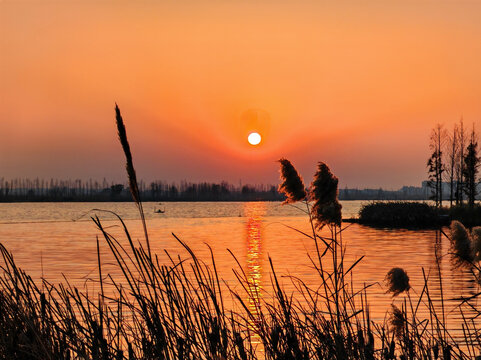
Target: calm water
[(59, 238)]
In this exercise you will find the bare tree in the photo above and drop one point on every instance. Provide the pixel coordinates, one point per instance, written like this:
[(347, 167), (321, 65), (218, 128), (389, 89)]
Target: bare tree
[(459, 163), (452, 150), (471, 167), (435, 164)]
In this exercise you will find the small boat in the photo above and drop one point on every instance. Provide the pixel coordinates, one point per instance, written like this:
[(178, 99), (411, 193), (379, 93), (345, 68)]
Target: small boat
[(159, 211)]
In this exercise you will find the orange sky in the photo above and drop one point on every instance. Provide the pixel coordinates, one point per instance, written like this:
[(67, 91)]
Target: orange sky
[(356, 86)]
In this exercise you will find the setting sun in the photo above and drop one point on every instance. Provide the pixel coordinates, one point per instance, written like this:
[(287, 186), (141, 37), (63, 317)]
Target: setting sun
[(254, 138)]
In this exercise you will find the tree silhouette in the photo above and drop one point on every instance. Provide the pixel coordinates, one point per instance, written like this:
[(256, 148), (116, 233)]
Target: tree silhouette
[(435, 164), (470, 168), (460, 163), (452, 151)]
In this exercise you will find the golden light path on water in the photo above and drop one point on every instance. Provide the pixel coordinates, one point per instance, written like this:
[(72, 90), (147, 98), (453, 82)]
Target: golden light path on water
[(254, 213)]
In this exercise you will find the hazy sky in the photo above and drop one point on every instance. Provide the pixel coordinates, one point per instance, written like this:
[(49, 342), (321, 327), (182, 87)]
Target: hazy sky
[(358, 86)]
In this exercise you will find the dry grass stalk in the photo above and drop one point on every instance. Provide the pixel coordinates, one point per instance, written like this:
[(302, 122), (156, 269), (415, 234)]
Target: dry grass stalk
[(292, 185), (134, 188), (397, 281), (324, 193), (133, 185), (476, 242), (397, 320), (461, 242)]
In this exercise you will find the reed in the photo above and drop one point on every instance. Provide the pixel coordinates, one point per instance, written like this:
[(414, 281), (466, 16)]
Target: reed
[(461, 242), (324, 192), (397, 281), (476, 243), (292, 185), (131, 175)]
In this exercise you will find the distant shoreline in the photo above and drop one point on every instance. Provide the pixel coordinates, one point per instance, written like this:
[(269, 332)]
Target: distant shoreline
[(56, 190)]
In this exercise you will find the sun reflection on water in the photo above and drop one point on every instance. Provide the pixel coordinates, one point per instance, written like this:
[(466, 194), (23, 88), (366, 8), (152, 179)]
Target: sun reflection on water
[(254, 211)]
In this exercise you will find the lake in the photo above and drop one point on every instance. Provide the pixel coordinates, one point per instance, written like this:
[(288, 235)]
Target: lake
[(54, 240)]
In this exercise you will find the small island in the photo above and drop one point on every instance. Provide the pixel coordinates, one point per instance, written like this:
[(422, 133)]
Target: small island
[(415, 215)]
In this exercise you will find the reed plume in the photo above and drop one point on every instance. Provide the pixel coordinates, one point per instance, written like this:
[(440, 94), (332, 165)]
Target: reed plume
[(292, 185), (461, 241), (476, 242), (324, 192), (397, 281), (397, 319), (134, 188), (133, 185)]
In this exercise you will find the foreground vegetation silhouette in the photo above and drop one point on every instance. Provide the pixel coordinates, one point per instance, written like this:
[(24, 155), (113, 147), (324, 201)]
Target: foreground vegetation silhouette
[(177, 310)]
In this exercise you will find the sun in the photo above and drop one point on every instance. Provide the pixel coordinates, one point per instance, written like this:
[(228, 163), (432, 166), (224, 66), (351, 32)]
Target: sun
[(254, 138)]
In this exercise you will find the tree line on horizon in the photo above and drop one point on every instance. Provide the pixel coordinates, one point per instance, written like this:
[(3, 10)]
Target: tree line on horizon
[(29, 190), (92, 190), (454, 160)]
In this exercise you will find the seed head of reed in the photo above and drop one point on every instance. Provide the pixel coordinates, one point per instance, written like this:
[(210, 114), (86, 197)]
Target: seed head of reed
[(397, 281), (292, 185), (324, 192), (134, 188), (461, 241), (476, 242), (397, 319)]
